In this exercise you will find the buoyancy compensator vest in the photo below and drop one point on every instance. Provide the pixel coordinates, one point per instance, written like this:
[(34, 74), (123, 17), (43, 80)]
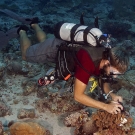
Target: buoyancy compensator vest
[(66, 59), (77, 33)]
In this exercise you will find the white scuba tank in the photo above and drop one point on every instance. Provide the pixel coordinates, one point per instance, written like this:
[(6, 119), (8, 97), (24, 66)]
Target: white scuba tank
[(64, 30)]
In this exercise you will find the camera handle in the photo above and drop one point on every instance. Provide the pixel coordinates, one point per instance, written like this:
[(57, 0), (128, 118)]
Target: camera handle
[(106, 95), (102, 95)]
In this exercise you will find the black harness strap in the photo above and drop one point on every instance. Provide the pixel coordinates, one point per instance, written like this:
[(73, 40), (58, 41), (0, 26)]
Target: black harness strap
[(73, 30), (86, 32)]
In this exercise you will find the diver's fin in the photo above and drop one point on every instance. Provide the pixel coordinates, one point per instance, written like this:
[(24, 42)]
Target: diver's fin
[(17, 17), (3, 40), (96, 22), (22, 27), (33, 20), (12, 33), (81, 19), (5, 37)]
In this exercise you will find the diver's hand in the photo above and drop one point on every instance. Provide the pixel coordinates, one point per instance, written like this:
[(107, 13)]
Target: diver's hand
[(114, 108), (116, 98)]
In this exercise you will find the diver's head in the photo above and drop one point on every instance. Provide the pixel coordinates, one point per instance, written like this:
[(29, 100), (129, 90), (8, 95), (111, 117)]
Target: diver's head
[(115, 60), (119, 58)]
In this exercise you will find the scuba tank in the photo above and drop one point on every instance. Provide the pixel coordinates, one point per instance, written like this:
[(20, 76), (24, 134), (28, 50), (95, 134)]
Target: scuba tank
[(77, 33)]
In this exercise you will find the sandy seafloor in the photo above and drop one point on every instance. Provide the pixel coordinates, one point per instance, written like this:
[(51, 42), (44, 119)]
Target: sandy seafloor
[(51, 121)]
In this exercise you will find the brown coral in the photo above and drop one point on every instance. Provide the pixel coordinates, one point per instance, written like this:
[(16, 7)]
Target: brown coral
[(85, 128), (89, 127), (27, 128), (84, 124), (103, 123), (113, 123), (57, 104), (26, 113)]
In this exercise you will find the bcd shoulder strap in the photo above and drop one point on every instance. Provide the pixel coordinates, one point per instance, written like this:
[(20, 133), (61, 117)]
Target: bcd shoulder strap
[(65, 63)]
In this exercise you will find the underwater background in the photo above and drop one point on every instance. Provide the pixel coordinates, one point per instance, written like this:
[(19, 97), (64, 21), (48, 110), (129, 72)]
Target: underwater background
[(45, 110), (115, 17)]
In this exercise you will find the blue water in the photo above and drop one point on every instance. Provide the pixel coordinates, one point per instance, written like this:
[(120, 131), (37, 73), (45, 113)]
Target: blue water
[(115, 16)]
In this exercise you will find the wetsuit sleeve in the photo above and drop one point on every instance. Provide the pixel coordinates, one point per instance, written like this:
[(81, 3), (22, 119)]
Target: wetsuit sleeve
[(86, 61)]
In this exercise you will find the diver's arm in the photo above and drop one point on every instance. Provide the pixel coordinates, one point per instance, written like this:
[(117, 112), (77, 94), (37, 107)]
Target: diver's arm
[(81, 97)]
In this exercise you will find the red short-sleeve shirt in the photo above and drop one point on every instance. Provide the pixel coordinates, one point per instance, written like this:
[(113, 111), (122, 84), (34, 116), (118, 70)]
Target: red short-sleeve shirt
[(86, 61)]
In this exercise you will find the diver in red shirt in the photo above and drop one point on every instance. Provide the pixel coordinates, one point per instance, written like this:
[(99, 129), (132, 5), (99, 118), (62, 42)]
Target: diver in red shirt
[(46, 50)]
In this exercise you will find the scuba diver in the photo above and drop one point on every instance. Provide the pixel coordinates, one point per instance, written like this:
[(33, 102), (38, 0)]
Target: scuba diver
[(116, 62), (84, 62)]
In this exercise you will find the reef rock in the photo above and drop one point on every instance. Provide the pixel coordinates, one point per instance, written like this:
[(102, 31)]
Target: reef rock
[(42, 92), (2, 70), (57, 104), (32, 69), (72, 119), (133, 102), (15, 67), (130, 77), (130, 46), (4, 109), (1, 128), (29, 86), (26, 113), (27, 128)]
